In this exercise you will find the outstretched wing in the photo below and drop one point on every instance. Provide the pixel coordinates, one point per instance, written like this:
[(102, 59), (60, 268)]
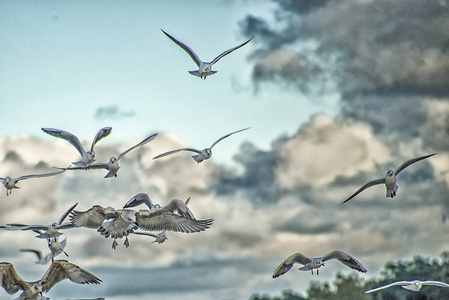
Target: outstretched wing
[(288, 263), (91, 218), (103, 132), (40, 175), (411, 161), (387, 286), (179, 207), (10, 280), (225, 136), (177, 150), (67, 213), (69, 137), (37, 252), (229, 51), (364, 187), (437, 283), (186, 48), (62, 269), (346, 259), (160, 220), (148, 139), (140, 198)]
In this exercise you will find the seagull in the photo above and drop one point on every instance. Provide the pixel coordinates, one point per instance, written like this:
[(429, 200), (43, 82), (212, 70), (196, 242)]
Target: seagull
[(204, 68), (389, 180), (317, 262), (202, 154), (45, 231), (121, 222), (87, 157), (10, 183), (57, 248), (42, 260), (177, 206), (58, 271), (414, 285), (160, 237), (113, 165)]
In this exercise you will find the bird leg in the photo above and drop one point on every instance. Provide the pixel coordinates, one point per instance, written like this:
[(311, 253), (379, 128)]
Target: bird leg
[(126, 243), (311, 271), (114, 244), (317, 272)]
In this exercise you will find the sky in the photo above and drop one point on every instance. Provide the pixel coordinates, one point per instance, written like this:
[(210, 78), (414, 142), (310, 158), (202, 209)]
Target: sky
[(335, 92)]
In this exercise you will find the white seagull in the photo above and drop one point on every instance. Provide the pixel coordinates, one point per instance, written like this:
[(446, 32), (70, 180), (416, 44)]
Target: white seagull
[(414, 285), (121, 222), (317, 262), (58, 271), (204, 68), (45, 231), (389, 180), (87, 157), (113, 164), (10, 183), (42, 260), (160, 237), (202, 154), (57, 248)]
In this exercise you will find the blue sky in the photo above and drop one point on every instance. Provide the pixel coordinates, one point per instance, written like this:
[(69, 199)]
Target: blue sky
[(335, 92)]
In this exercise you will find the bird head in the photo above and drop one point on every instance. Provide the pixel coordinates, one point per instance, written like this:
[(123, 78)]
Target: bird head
[(55, 225), (90, 155), (113, 160), (390, 173)]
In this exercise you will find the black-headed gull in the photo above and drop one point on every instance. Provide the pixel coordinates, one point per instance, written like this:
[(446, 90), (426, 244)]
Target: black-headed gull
[(202, 154), (113, 164), (57, 247), (317, 262), (45, 231), (121, 222), (87, 157), (58, 271), (204, 68), (160, 237), (10, 183), (414, 285), (389, 180), (42, 260)]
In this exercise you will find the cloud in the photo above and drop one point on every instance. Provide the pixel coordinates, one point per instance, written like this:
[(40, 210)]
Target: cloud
[(112, 112)]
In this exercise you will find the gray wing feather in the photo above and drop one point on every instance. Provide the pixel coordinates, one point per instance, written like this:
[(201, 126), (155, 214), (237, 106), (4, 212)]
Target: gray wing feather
[(437, 283), (346, 259), (225, 136), (40, 175), (10, 280), (69, 137), (103, 132), (411, 161), (92, 218), (148, 139), (162, 219), (288, 263), (186, 48), (67, 213), (387, 286), (229, 51), (364, 187), (177, 150), (37, 252)]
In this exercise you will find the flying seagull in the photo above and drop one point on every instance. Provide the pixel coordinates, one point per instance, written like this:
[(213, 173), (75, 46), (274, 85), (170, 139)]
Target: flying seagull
[(141, 198), (204, 68), (10, 183), (202, 154), (87, 157), (57, 248), (177, 206), (389, 180), (113, 165), (121, 222), (317, 262), (160, 237), (42, 260), (58, 271), (45, 231), (414, 285)]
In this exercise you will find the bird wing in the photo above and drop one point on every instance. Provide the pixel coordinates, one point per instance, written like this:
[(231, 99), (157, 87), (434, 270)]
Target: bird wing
[(162, 219), (229, 51), (40, 175), (287, 264), (225, 136), (10, 280), (95, 166), (67, 213), (387, 286), (37, 252), (177, 150), (138, 199), (186, 48), (91, 218), (346, 259), (411, 161), (180, 207), (148, 139), (69, 137), (103, 132), (364, 187), (437, 283), (146, 233), (62, 269)]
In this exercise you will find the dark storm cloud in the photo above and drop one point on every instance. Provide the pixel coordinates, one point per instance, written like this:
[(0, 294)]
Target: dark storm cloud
[(112, 112)]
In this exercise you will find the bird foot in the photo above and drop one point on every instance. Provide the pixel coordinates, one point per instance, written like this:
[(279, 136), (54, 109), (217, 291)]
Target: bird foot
[(126, 243), (114, 244)]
